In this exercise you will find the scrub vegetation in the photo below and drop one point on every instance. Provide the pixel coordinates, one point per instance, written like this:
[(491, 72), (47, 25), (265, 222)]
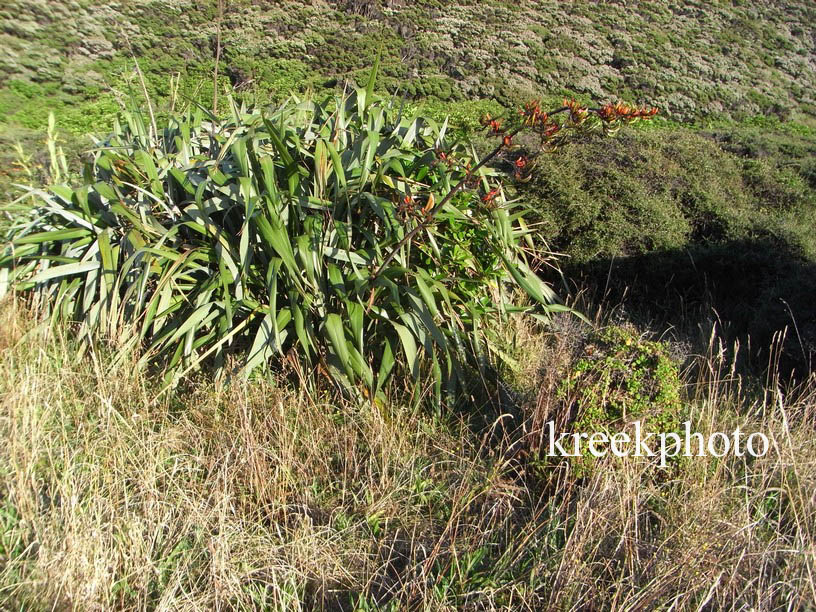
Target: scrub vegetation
[(299, 345)]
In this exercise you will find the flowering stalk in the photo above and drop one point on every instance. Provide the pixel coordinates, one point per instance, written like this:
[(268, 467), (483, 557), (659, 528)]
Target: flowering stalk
[(439, 205), (532, 117)]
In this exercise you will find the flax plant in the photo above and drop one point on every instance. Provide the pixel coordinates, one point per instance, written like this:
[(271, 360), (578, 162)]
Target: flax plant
[(351, 237)]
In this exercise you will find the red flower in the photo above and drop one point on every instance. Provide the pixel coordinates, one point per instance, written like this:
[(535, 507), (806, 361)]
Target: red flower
[(493, 124), (490, 196), (607, 112), (624, 112), (551, 130)]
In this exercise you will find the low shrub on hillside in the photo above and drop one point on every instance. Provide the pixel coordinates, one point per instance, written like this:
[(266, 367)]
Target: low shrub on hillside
[(667, 189), (682, 226)]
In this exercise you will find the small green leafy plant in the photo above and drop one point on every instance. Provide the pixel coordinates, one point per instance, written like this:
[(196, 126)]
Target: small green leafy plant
[(622, 378)]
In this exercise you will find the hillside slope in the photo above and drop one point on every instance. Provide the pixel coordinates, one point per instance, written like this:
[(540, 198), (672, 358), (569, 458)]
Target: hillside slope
[(720, 59)]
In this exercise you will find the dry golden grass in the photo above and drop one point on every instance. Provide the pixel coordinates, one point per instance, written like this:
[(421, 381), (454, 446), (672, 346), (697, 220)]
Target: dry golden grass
[(253, 496)]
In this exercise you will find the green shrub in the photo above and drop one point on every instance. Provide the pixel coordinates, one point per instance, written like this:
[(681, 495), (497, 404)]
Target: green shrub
[(622, 378), (259, 236), (669, 189), (594, 201)]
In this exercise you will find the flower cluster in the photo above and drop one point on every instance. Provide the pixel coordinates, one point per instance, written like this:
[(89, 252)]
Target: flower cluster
[(624, 112), (519, 165), (445, 158), (539, 120), (532, 115), (551, 129), (493, 124), (409, 207), (552, 133), (577, 111), (490, 196)]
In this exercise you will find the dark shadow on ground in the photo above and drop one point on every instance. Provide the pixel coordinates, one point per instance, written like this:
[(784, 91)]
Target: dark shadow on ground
[(751, 288)]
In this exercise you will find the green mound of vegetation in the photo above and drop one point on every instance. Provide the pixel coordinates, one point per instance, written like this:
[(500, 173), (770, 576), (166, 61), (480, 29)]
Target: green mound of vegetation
[(621, 378), (661, 189), (682, 226)]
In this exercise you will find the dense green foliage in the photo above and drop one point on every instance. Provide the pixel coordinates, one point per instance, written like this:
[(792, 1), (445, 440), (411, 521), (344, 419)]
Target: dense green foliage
[(264, 232), (621, 378), (666, 189), (684, 225)]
